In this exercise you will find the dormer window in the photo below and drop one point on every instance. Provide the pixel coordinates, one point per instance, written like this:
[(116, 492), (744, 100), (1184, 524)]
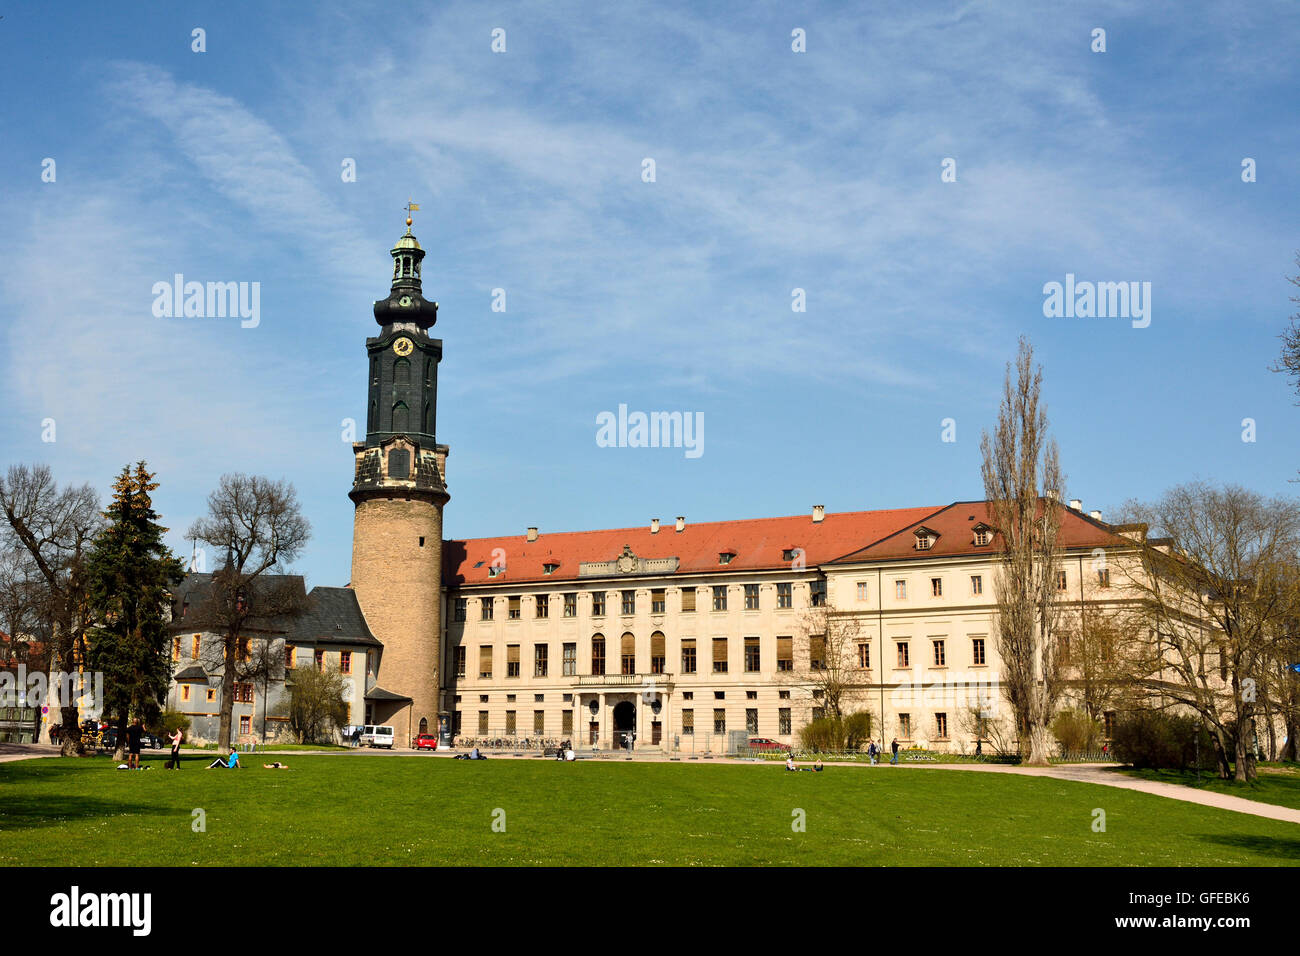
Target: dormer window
[(925, 539), (983, 534), (724, 557), (549, 568), (495, 570), (789, 554)]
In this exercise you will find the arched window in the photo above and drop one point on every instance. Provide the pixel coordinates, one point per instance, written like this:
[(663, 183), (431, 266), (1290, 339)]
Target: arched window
[(628, 655), (424, 725), (598, 654), (657, 652), (401, 417), (402, 372), (428, 419)]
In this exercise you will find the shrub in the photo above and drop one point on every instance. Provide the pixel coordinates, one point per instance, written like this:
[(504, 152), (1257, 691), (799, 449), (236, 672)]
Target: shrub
[(1152, 739), (167, 721), (1076, 731), (828, 735)]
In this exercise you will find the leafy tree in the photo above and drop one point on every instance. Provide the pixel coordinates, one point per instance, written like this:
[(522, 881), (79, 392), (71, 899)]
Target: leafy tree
[(128, 572), (1077, 731)]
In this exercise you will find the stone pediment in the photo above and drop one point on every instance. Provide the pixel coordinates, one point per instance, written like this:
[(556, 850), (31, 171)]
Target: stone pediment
[(627, 563)]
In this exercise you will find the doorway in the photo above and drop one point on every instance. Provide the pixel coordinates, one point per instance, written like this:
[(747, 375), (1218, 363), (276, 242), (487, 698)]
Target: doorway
[(624, 725)]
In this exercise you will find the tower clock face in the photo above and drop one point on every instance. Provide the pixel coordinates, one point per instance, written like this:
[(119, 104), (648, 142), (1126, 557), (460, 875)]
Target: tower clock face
[(404, 302), (403, 346)]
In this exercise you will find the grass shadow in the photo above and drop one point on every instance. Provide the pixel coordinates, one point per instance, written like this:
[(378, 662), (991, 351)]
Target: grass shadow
[(24, 812), (1283, 849)]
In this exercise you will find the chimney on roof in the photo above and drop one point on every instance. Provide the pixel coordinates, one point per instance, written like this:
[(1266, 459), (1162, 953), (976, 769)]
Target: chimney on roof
[(1095, 515), (681, 522), (819, 512), (654, 525), (532, 534), (1076, 505)]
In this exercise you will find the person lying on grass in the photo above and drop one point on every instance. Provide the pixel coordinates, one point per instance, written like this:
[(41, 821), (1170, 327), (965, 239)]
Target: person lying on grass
[(276, 766), (231, 762)]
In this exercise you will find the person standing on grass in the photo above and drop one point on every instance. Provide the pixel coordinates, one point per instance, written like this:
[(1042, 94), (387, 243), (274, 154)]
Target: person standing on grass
[(872, 751), (134, 733), (175, 761), (893, 746)]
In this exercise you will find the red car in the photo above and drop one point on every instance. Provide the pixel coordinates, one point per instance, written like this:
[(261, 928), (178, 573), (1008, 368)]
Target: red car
[(426, 742), (765, 743)]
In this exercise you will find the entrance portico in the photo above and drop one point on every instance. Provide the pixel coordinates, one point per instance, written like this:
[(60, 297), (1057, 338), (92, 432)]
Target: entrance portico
[(622, 711)]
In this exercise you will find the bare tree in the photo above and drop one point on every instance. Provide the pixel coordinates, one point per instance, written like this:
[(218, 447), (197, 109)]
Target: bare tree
[(1093, 651), (258, 524), (1022, 476), (1219, 593), (55, 526), (1289, 361), (829, 673)]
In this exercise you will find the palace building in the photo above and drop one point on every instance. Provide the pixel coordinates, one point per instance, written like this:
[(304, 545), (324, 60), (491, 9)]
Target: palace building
[(683, 637)]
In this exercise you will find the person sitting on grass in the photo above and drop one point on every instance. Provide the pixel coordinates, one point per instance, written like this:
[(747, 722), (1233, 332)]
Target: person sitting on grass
[(231, 762), (789, 762), (818, 765)]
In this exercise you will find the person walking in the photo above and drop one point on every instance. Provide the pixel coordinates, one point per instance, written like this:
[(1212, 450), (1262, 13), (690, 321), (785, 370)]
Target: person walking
[(872, 751), (175, 762), (893, 746)]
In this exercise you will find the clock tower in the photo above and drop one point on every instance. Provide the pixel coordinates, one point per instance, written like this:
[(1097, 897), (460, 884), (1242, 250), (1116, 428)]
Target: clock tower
[(399, 489)]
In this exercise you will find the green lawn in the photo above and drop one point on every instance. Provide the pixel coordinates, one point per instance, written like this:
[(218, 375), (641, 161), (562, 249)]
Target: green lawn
[(1278, 783), (367, 810)]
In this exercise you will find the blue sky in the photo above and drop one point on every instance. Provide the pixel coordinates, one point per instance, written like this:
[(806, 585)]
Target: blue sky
[(775, 170)]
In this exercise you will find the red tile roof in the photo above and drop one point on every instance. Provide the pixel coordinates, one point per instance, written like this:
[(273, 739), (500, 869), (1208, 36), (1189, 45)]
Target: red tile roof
[(758, 544), (955, 525)]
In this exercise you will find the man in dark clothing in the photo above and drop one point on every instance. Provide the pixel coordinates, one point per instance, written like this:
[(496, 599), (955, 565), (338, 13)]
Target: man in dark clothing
[(893, 746), (134, 733)]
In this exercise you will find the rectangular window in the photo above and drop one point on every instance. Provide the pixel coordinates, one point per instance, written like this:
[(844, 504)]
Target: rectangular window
[(976, 584), (1060, 581), (862, 591), (455, 723), (751, 655), (751, 720), (720, 597), (542, 606), (194, 647), (785, 653), (212, 694), (941, 726), (458, 609), (751, 597), (540, 654), (657, 602), (977, 651), (688, 656), (629, 602), (905, 726), (510, 723), (571, 604), (539, 722), (903, 658), (688, 600), (936, 587), (485, 608), (940, 654), (176, 648), (244, 693), (783, 721), (485, 661), (345, 662), (597, 603), (512, 660), (900, 590), (719, 721), (320, 660), (482, 722), (289, 651), (864, 655), (597, 656), (818, 590), (688, 722), (566, 723), (245, 724), (513, 611), (1103, 577), (185, 691), (657, 653), (570, 660), (458, 659), (784, 596), (817, 652), (719, 655)]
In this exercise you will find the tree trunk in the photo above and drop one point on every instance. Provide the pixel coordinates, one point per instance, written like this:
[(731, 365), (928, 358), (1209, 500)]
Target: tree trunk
[(1289, 751), (227, 694), (1241, 775)]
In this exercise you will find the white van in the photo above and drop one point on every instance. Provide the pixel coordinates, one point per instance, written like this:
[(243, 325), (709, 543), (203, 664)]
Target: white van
[(377, 735)]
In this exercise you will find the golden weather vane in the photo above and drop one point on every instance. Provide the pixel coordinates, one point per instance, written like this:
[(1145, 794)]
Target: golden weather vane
[(410, 208)]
